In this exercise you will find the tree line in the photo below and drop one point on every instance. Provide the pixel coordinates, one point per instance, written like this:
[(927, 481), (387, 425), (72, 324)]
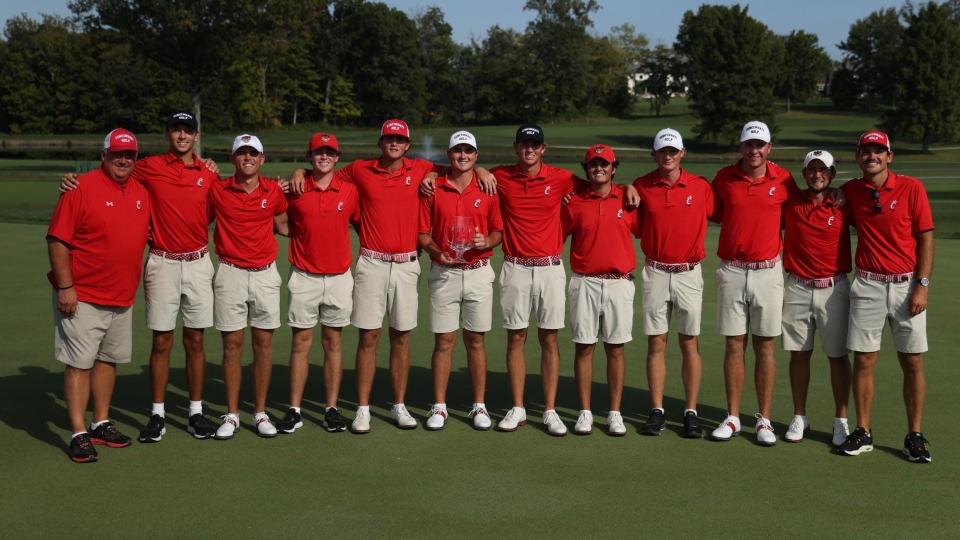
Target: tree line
[(241, 64)]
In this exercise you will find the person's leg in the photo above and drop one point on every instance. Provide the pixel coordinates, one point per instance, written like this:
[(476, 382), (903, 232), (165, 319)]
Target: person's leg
[(800, 380), (733, 370), (691, 369), (232, 350), (399, 363), (583, 372), (196, 360), (160, 363), (616, 373), (476, 363), (656, 368), (765, 373), (914, 389), (301, 343), (262, 366), (331, 338), (103, 377), (863, 365), (76, 392), (840, 383), (366, 363), (549, 366), (440, 363), (516, 364)]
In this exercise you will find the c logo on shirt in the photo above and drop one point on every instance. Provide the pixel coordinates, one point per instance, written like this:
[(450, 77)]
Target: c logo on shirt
[(109, 203), (476, 203), (893, 204), (340, 206), (830, 221), (620, 213), (772, 191), (546, 190), (408, 181), (263, 203), (199, 182), (139, 204), (689, 200)]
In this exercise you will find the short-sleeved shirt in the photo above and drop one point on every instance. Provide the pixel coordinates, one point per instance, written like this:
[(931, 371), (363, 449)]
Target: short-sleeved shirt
[(603, 229), (244, 233), (319, 221), (887, 240), (104, 225), (438, 214), (673, 218), (178, 193), (389, 202), (816, 241), (750, 211), (530, 206)]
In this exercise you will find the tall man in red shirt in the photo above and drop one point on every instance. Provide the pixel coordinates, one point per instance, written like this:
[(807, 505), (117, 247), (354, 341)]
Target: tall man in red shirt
[(673, 224), (816, 256), (601, 288), (95, 241), (460, 215), (320, 284), (894, 262), (247, 286), (749, 199)]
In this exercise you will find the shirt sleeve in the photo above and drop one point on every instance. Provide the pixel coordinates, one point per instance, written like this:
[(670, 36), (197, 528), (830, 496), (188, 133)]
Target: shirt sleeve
[(717, 216), (63, 223), (566, 220), (494, 219), (345, 174), (425, 222), (355, 213), (921, 215)]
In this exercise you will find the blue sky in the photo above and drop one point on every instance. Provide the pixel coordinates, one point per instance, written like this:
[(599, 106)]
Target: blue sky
[(829, 19)]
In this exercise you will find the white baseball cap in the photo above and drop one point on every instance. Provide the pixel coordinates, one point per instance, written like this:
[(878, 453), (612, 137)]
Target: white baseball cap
[(463, 137), (247, 140), (667, 137), (755, 130), (822, 155)]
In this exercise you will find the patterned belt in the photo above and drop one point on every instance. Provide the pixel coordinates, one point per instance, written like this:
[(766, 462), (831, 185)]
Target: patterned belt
[(819, 283), (479, 263), (248, 269), (547, 260), (186, 257), (885, 278), (389, 257), (754, 265), (672, 268), (608, 275)]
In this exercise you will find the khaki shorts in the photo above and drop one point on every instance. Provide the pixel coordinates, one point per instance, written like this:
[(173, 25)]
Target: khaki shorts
[(242, 296), (540, 288), (807, 309), (601, 307), (664, 292), (461, 297), (873, 303), (385, 288), (749, 300), (171, 286), (313, 298), (95, 332)]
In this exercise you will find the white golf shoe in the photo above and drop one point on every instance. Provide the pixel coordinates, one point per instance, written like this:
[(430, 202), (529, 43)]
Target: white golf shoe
[(584, 423), (402, 417), (265, 427), (437, 418), (615, 425), (228, 428), (727, 429), (481, 418), (765, 433), (554, 425), (516, 417), (799, 427), (361, 422)]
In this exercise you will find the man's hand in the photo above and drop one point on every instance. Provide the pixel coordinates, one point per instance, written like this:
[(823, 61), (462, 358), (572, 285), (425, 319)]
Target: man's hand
[(918, 299), (479, 240), (446, 259), (631, 196), (839, 199), (67, 302), (428, 184), (297, 180), (211, 165), (486, 180), (69, 182), (567, 198)]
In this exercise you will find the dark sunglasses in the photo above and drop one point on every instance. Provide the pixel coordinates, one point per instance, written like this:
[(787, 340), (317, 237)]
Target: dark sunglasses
[(876, 201)]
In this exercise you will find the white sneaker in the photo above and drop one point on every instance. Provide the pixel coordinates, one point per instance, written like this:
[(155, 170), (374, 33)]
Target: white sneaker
[(481, 418), (438, 417), (765, 434), (584, 423), (841, 430), (615, 425), (227, 428), (516, 417), (265, 427), (727, 430), (361, 422), (554, 425), (799, 426), (402, 417)]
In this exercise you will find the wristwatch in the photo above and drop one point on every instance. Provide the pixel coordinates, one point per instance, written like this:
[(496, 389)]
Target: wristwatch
[(924, 281)]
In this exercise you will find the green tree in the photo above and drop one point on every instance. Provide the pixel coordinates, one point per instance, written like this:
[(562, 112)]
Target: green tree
[(844, 89), (870, 47), (927, 76), (662, 77), (730, 64), (804, 64), (499, 77), (440, 53), (341, 107)]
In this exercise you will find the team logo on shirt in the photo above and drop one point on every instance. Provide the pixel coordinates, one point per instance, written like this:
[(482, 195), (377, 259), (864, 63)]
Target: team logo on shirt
[(476, 203), (109, 203), (893, 204), (689, 200), (772, 191), (199, 182), (546, 190), (139, 204), (263, 203), (340, 206), (408, 181), (830, 221), (620, 213)]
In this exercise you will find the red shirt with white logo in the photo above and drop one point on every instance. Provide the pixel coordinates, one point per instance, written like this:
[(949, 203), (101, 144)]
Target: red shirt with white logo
[(389, 202), (179, 194), (244, 233), (530, 206), (319, 221), (887, 240), (673, 219), (438, 215), (105, 225), (816, 241), (750, 211), (603, 230)]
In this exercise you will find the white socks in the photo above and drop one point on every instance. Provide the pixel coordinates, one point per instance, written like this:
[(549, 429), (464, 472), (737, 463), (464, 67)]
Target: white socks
[(157, 409)]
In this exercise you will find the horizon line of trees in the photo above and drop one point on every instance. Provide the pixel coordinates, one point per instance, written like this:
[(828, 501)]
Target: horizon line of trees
[(263, 63)]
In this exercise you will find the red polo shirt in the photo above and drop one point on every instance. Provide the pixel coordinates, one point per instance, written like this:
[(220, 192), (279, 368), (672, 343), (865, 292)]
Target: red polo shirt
[(530, 206), (319, 221), (437, 214), (104, 225), (750, 211), (816, 241), (244, 233), (603, 230), (887, 241), (179, 195), (673, 219), (389, 202)]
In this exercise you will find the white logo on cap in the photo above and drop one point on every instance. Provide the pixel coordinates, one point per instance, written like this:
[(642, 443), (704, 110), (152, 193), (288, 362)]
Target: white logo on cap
[(689, 200), (830, 221), (123, 137), (340, 206), (138, 204), (598, 149), (182, 116), (324, 138), (408, 181), (546, 190), (476, 203), (109, 203), (893, 204), (620, 213), (530, 131), (394, 127), (772, 191), (263, 203)]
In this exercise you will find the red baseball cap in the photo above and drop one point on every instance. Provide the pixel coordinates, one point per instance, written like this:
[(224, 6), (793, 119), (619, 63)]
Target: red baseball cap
[(323, 140), (601, 151), (120, 140), (875, 136), (395, 126)]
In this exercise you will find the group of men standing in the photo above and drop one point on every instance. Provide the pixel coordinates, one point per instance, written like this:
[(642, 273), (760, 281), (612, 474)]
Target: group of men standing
[(457, 213)]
